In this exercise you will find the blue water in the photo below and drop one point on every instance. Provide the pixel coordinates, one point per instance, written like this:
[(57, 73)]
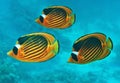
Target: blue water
[(17, 17)]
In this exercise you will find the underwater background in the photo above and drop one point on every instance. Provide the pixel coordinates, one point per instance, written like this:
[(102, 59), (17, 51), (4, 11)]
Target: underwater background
[(17, 18)]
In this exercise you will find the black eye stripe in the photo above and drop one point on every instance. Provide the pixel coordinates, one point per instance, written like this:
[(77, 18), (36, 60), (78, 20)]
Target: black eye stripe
[(41, 19), (15, 50), (74, 57)]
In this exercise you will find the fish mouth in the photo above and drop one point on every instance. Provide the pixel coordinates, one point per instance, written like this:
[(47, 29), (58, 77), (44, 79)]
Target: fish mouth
[(10, 53)]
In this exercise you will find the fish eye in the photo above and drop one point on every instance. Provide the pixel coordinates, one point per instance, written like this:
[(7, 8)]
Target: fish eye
[(41, 19), (15, 50), (74, 57)]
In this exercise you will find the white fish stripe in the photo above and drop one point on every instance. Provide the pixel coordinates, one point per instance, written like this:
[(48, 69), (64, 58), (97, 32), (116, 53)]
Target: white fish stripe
[(43, 15), (76, 53), (18, 46)]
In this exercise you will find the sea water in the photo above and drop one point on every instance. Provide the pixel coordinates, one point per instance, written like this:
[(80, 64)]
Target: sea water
[(17, 18)]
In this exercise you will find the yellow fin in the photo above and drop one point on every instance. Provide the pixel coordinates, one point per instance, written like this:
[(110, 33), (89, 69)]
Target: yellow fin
[(10, 53), (55, 47), (69, 21), (105, 54), (72, 18), (107, 50), (109, 44)]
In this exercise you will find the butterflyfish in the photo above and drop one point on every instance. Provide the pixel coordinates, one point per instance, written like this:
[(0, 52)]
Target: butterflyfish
[(56, 17), (35, 47), (91, 47)]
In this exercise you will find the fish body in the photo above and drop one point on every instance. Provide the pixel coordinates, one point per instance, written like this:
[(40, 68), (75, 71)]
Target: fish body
[(56, 17), (91, 47), (35, 47)]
